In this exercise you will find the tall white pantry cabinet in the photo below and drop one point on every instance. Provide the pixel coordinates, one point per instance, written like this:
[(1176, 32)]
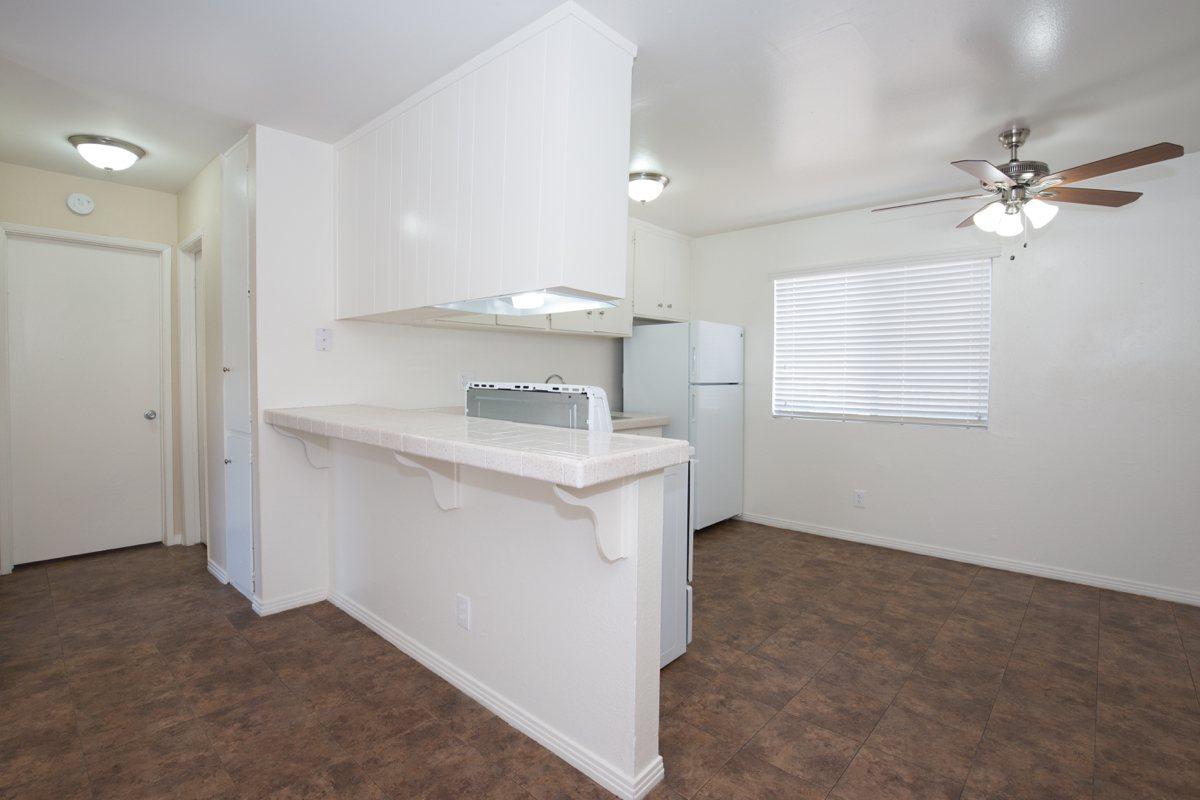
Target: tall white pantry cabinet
[(507, 175)]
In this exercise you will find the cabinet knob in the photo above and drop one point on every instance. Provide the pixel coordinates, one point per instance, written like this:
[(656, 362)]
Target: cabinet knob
[(226, 369), (660, 305), (229, 461), (670, 306), (589, 313), (602, 313)]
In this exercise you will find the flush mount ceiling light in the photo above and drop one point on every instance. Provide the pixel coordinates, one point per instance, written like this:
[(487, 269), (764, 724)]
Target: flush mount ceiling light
[(646, 186), (105, 152)]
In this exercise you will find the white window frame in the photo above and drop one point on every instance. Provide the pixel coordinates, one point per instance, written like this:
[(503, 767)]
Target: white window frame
[(916, 261)]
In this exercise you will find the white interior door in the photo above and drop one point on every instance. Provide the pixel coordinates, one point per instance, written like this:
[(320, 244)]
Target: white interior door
[(716, 433), (235, 353), (86, 393)]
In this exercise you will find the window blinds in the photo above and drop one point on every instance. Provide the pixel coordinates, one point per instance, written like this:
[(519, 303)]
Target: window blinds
[(897, 343)]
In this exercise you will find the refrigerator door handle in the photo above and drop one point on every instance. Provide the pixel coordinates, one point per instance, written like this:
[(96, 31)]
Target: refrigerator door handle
[(692, 405), (693, 370)]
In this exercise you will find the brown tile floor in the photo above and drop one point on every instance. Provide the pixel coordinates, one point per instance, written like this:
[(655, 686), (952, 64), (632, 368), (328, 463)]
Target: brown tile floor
[(820, 669)]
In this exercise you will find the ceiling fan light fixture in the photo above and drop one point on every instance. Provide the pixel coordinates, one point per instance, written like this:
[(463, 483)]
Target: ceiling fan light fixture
[(1039, 212), (646, 186), (105, 152), (1010, 224), (989, 216)]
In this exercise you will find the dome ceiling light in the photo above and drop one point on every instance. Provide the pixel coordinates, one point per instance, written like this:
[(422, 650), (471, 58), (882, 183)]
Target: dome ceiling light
[(105, 152), (646, 186)]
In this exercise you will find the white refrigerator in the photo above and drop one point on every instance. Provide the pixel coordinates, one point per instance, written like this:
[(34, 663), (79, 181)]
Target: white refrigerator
[(692, 373)]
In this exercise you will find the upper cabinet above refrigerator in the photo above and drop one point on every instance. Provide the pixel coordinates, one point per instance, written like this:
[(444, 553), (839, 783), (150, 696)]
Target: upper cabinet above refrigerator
[(499, 189)]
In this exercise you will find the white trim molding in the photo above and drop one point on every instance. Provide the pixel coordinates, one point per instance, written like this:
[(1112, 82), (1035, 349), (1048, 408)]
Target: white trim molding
[(193, 456), (982, 560), (575, 754), (286, 603), (217, 572)]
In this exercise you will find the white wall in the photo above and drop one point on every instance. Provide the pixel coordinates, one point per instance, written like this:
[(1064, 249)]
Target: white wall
[(1090, 466), (377, 363), (5, 429), (200, 210)]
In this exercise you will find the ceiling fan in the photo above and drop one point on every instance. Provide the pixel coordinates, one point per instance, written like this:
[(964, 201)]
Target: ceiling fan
[(1021, 188)]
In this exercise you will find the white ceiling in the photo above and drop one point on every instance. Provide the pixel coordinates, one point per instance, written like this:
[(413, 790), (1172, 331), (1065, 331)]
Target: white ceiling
[(758, 110)]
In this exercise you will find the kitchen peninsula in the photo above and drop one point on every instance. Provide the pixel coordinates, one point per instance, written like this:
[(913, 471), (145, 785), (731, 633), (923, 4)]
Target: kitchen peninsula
[(522, 563)]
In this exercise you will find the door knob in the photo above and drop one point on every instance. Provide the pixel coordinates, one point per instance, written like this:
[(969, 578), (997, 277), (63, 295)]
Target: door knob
[(151, 414)]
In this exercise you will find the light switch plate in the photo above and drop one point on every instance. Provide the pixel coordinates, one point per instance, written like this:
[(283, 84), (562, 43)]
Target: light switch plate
[(324, 339)]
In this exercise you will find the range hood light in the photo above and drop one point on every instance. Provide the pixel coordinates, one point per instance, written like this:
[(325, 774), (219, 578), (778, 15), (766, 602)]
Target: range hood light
[(546, 301), (528, 300)]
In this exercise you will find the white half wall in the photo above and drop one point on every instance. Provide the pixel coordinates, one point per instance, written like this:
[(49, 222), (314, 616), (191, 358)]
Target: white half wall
[(370, 362), (1089, 468)]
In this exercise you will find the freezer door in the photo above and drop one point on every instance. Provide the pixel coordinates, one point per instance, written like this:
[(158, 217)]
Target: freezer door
[(716, 433), (716, 353), (656, 374)]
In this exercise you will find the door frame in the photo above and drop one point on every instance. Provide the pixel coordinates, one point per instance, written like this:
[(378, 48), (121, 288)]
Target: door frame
[(193, 441), (167, 428)]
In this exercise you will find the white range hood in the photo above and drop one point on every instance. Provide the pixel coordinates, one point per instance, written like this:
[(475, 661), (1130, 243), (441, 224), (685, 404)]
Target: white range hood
[(499, 189)]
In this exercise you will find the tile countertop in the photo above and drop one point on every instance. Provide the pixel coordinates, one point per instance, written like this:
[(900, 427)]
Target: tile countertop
[(557, 455), (629, 420)]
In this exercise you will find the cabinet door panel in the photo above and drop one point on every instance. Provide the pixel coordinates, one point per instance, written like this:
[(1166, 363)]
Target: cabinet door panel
[(408, 207), (364, 223), (537, 321), (649, 255), (522, 162), (677, 289), (443, 192), (618, 321), (349, 201), (487, 188), (580, 321), (381, 172)]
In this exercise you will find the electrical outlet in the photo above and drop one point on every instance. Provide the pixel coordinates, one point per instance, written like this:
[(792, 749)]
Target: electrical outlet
[(860, 498), (324, 339), (463, 611), (465, 378)]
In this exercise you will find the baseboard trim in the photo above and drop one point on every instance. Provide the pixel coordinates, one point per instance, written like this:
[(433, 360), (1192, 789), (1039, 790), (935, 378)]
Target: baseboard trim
[(595, 767), (288, 602), (979, 559), (217, 572)]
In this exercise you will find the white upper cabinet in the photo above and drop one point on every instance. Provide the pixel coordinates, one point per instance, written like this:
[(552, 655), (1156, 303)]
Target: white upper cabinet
[(661, 263), (506, 176)]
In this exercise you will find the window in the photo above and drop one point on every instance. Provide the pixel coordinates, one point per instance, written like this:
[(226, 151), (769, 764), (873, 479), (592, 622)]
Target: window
[(896, 343)]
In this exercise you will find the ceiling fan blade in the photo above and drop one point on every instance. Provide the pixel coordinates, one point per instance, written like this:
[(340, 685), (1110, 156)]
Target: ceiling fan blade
[(984, 171), (969, 221), (1090, 197), (929, 202), (1134, 158)]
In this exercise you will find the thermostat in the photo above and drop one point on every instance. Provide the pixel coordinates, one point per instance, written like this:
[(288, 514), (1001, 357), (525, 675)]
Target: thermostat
[(80, 203)]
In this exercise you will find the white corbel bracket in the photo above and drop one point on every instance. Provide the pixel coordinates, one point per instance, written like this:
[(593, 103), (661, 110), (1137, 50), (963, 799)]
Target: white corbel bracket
[(442, 475), (614, 511), (316, 448)]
